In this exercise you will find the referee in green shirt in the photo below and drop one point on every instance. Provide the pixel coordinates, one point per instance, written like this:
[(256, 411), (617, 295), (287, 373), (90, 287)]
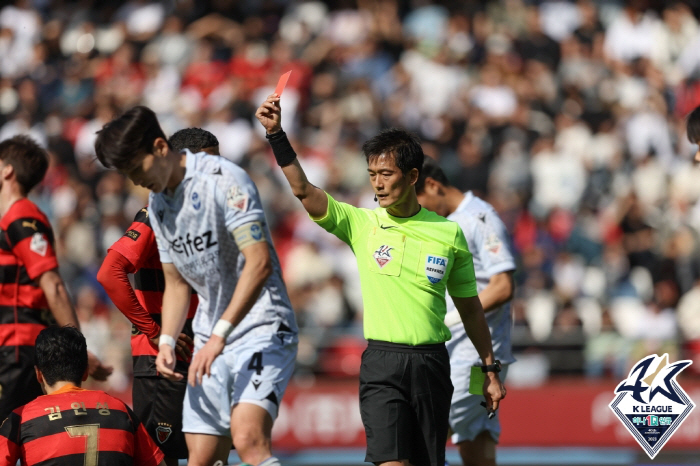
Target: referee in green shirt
[(408, 257)]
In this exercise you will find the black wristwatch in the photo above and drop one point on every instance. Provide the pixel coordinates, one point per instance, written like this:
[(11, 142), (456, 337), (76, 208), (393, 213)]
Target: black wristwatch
[(496, 367)]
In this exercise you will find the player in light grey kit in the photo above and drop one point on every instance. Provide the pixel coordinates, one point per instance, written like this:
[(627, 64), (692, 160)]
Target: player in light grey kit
[(212, 236), (474, 432)]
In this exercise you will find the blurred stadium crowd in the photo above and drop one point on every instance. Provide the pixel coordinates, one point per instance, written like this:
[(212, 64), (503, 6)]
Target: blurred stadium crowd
[(568, 116)]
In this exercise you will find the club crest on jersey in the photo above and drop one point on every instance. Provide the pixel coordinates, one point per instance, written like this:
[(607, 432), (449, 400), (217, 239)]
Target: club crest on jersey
[(39, 244), (163, 432), (237, 199), (382, 255), (650, 403), (435, 267), (196, 201)]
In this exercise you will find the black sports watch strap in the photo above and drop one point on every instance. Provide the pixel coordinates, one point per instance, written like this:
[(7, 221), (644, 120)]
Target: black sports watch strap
[(496, 367)]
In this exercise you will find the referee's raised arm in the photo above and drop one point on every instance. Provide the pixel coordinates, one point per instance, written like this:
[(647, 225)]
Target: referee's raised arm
[(313, 198)]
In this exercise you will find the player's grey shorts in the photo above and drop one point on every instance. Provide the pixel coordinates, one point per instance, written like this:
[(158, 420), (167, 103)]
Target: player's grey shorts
[(467, 417), (256, 372)]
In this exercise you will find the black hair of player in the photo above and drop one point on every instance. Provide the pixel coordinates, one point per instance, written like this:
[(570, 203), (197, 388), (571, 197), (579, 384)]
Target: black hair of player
[(402, 145), (431, 169), (27, 158), (194, 139), (61, 354), (126, 138), (693, 126)]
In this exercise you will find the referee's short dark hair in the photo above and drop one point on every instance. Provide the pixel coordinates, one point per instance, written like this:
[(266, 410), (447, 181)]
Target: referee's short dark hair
[(403, 145), (28, 160), (692, 127), (124, 139), (61, 354), (431, 169), (194, 139)]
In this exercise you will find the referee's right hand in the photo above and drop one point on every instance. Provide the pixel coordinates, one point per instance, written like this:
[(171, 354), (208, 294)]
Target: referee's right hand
[(269, 114)]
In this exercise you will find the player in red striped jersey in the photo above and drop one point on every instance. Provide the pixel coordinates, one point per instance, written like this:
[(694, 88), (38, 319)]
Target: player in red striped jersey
[(70, 425), (32, 293), (136, 253)]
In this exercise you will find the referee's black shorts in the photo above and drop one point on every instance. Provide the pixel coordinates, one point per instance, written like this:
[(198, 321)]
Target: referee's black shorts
[(158, 405), (405, 394)]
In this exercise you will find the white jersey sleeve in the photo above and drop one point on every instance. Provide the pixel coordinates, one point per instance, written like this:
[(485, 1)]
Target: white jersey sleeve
[(492, 243), (489, 244), (239, 197)]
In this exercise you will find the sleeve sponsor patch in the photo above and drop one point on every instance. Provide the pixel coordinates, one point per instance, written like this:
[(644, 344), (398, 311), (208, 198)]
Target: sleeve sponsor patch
[(39, 244), (493, 243), (132, 234), (248, 234), (237, 199)]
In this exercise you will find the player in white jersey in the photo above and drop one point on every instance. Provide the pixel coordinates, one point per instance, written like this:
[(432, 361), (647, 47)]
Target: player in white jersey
[(474, 432), (212, 236)]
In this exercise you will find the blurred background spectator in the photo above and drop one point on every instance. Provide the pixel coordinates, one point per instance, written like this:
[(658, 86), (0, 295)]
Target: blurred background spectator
[(567, 116)]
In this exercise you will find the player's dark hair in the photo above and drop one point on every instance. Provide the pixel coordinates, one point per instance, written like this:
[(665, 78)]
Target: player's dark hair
[(28, 160), (194, 139), (128, 137), (692, 126), (61, 354), (431, 169), (403, 146)]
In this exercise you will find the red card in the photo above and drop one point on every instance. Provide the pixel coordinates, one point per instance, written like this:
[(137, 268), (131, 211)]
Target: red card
[(281, 83)]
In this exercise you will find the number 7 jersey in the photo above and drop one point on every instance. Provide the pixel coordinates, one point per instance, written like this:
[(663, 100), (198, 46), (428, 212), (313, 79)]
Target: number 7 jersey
[(75, 426), (193, 228)]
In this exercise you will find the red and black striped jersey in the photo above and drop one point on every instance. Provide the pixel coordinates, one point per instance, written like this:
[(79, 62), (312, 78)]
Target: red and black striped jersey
[(75, 426), (26, 252), (138, 246)]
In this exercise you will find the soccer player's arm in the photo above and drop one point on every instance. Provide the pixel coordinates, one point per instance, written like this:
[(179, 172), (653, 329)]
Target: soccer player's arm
[(31, 240), (247, 226), (461, 285), (490, 239), (127, 255), (146, 452), (176, 302), (497, 260), (10, 440), (312, 198), (245, 220)]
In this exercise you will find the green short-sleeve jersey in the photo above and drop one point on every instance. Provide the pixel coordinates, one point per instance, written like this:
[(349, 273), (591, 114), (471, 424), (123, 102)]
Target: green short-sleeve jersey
[(405, 264)]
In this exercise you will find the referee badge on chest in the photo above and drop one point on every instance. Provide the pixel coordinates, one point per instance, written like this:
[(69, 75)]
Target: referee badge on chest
[(383, 255), (435, 267)]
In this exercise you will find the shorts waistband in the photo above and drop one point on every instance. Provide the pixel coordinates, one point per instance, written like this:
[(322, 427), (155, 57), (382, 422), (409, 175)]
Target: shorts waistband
[(403, 348)]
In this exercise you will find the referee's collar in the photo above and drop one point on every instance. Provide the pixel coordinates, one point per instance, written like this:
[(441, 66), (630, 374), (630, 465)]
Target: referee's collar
[(400, 220)]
